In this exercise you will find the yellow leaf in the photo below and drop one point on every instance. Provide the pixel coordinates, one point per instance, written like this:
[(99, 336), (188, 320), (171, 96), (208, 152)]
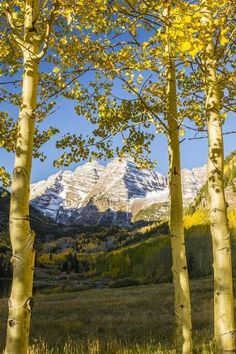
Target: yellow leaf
[(56, 69), (187, 19), (156, 52), (180, 33), (185, 46), (223, 40), (163, 35), (194, 51)]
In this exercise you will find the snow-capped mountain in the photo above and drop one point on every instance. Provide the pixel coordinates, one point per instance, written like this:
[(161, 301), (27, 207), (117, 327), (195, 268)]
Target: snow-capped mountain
[(65, 191), (110, 195)]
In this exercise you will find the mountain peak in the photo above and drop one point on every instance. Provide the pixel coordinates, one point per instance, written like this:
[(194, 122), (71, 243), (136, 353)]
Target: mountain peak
[(88, 166)]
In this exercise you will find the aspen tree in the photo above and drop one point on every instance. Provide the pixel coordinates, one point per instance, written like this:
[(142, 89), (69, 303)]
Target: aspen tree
[(21, 234), (214, 73), (31, 26), (179, 269), (224, 326)]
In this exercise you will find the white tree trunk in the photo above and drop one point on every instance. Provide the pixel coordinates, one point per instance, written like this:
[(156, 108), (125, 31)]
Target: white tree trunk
[(179, 269), (22, 237), (224, 327), (223, 285)]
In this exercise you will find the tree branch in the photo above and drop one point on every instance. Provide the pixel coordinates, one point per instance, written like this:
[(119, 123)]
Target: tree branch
[(144, 103), (48, 31), (15, 32), (205, 137)]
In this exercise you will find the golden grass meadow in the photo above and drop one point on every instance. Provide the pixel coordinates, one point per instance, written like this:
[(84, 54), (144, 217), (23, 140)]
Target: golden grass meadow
[(130, 320)]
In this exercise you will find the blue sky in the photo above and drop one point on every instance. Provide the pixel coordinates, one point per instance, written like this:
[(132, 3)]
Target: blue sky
[(193, 153)]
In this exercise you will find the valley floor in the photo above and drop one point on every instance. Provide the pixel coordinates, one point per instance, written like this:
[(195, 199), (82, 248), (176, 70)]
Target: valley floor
[(115, 321)]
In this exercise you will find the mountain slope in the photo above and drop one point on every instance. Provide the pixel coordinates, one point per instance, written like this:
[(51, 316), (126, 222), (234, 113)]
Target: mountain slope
[(40, 223), (201, 199)]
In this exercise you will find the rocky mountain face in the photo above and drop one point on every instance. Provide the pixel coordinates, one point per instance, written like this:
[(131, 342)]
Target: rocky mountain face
[(64, 192), (40, 222), (110, 195), (201, 199), (192, 181)]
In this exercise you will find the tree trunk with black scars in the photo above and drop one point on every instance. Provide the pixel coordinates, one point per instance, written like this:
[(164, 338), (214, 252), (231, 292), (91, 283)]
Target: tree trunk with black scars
[(21, 234), (183, 320), (224, 326)]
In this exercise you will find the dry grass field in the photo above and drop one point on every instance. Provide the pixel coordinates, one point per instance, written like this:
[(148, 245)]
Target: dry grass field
[(123, 321)]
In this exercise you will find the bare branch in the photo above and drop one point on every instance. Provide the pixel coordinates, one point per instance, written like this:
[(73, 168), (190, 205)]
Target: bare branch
[(205, 136), (195, 129), (10, 82)]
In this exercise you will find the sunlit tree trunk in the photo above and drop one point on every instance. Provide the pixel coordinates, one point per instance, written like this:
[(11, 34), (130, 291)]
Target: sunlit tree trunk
[(224, 328), (179, 269), (222, 264), (22, 237)]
